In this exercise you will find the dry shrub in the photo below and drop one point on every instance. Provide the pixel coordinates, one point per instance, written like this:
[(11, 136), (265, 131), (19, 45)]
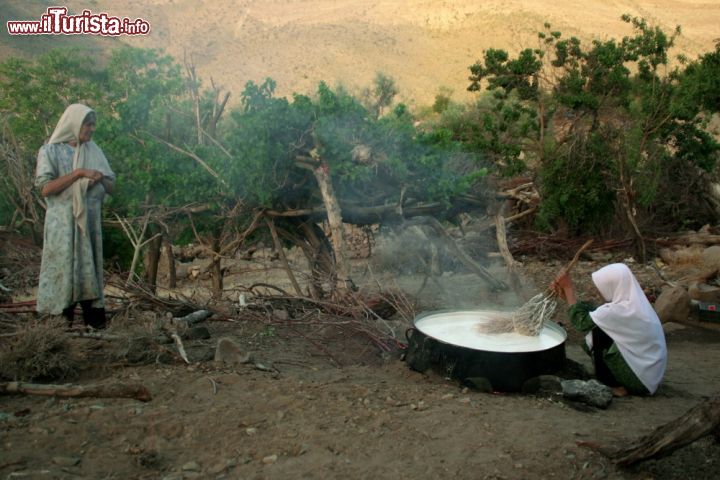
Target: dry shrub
[(140, 339), (39, 351), (400, 303)]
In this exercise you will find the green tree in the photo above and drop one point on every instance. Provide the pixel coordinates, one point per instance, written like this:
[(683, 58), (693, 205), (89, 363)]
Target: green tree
[(443, 99), (282, 152), (381, 95), (33, 95), (613, 120), (167, 140)]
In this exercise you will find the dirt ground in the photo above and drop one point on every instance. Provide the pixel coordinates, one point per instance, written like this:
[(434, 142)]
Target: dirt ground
[(339, 409)]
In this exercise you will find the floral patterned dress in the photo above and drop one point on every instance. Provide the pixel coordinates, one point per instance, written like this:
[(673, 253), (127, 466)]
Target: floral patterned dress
[(72, 259)]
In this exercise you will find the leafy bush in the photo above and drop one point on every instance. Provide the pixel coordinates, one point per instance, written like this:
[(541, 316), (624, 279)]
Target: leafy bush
[(574, 187), (612, 132)]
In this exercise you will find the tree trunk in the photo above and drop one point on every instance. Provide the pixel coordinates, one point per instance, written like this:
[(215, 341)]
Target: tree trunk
[(283, 258), (319, 255), (152, 259), (334, 215), (317, 250), (512, 265), (217, 273), (137, 243), (172, 271)]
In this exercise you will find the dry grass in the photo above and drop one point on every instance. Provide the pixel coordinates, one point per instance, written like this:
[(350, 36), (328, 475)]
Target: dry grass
[(140, 338), (42, 349), (39, 351)]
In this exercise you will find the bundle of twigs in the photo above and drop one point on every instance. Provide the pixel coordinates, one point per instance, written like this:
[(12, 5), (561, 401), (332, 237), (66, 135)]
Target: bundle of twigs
[(358, 314), (529, 318), (528, 242), (140, 295)]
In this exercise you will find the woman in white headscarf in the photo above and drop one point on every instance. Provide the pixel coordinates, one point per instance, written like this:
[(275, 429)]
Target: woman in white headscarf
[(624, 335), (73, 176)]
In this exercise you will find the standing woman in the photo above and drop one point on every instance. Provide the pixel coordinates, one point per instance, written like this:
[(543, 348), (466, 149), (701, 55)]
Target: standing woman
[(624, 335), (73, 176)]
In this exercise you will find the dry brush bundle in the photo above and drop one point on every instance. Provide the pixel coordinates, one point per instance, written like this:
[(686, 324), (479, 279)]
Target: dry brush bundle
[(530, 317), (356, 314), (139, 337), (19, 262), (526, 320), (39, 351), (16, 180), (139, 295)]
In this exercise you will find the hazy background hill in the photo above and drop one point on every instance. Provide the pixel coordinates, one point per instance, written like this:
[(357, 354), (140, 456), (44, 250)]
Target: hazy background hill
[(423, 44)]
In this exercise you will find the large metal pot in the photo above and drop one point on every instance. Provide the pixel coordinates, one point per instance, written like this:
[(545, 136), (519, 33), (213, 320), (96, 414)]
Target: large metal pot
[(454, 341)]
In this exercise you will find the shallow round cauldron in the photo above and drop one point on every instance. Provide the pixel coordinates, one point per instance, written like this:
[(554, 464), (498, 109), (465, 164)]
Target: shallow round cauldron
[(454, 341)]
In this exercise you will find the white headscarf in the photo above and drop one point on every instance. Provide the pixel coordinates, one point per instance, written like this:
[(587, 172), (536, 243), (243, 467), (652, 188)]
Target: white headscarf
[(87, 155), (629, 319)]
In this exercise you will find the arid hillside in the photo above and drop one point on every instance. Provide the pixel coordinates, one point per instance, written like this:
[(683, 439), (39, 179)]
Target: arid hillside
[(423, 44)]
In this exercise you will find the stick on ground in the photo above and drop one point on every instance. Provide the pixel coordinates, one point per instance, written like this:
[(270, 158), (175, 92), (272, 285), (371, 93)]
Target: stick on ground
[(109, 390), (697, 422)]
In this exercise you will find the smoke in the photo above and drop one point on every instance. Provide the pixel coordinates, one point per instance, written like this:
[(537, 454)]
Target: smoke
[(418, 261)]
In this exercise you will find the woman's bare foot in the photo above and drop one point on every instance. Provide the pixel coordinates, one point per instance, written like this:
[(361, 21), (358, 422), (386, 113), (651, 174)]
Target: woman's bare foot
[(619, 392)]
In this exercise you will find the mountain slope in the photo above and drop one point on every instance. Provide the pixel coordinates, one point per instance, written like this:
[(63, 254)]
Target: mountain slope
[(423, 44)]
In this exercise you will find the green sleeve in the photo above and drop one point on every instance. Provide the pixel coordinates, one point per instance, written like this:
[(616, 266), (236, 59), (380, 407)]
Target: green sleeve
[(580, 316)]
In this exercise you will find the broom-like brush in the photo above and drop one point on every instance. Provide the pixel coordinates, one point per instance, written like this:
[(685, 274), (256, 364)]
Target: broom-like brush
[(529, 318)]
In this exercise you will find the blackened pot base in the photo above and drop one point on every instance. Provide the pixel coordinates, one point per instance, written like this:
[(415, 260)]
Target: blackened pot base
[(453, 341)]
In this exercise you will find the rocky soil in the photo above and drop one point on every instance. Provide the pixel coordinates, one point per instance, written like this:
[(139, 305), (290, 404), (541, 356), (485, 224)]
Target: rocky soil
[(334, 407)]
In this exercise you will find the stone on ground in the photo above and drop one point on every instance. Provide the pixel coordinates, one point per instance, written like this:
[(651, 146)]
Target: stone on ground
[(673, 305), (590, 392)]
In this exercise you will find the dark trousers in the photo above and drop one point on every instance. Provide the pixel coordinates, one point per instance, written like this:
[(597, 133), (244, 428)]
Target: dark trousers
[(601, 342), (93, 317)]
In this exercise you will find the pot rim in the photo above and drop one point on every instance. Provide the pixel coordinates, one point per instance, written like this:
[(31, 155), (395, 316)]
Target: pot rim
[(550, 325)]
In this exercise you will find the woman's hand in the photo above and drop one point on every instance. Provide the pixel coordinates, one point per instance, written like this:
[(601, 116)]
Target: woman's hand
[(54, 187), (562, 281), (563, 287), (94, 175)]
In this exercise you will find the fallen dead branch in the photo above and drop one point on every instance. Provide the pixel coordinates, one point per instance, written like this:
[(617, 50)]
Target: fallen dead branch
[(362, 315), (110, 390), (18, 307), (319, 345), (140, 295), (95, 336), (186, 321), (699, 421), (17, 304), (530, 243), (281, 251), (193, 318), (699, 238), (13, 464), (214, 385), (179, 344)]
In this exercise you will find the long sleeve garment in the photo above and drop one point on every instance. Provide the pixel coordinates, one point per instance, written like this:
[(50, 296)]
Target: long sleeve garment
[(582, 321), (72, 259)]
